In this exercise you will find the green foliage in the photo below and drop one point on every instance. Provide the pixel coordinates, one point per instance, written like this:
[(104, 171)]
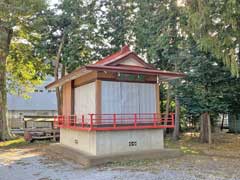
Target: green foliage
[(25, 68), (215, 26), (76, 21), (82, 38), (161, 36), (116, 22), (156, 29), (209, 86)]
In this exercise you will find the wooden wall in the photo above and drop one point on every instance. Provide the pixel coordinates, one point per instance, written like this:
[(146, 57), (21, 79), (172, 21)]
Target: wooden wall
[(67, 98)]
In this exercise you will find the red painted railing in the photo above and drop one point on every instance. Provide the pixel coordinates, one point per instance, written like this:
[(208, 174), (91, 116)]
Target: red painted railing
[(109, 122)]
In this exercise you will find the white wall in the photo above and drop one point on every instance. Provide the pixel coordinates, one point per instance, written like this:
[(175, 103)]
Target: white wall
[(85, 99), (83, 141), (112, 142)]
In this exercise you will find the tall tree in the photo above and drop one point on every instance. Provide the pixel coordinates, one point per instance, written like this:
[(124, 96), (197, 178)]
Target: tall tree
[(207, 89), (158, 37), (215, 26), (71, 37), (16, 51), (116, 19)]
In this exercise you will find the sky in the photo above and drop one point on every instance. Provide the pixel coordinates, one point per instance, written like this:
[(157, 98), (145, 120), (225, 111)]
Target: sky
[(52, 2)]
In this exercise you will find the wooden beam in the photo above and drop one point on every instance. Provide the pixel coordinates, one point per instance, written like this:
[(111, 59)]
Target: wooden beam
[(113, 76), (157, 100), (72, 97), (85, 79)]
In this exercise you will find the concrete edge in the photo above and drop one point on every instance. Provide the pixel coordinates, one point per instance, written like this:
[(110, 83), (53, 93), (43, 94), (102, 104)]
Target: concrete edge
[(87, 160)]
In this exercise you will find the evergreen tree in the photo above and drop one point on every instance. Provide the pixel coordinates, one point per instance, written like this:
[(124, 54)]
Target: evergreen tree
[(116, 20), (158, 37), (215, 26)]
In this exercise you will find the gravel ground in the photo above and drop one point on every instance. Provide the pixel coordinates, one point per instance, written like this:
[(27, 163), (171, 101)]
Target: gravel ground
[(30, 163)]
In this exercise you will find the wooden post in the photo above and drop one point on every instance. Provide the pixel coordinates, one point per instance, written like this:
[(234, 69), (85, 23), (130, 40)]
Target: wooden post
[(98, 93), (91, 121), (154, 119)]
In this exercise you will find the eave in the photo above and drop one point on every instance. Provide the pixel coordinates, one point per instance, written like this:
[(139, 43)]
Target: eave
[(163, 75), (71, 76)]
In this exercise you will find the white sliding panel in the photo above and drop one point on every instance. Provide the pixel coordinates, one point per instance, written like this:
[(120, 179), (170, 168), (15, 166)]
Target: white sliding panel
[(130, 97), (147, 98), (85, 98), (129, 102), (111, 97)]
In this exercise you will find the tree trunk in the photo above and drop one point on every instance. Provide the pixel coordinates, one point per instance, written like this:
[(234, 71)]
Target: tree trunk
[(56, 76), (177, 119), (5, 39), (223, 116), (205, 134)]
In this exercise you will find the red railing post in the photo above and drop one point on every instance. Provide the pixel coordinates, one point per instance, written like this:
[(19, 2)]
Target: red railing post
[(135, 120), (154, 120), (82, 121), (68, 121), (63, 120), (114, 120), (91, 121), (75, 120)]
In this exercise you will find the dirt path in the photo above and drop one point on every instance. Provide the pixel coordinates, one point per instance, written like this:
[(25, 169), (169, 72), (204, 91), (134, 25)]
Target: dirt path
[(33, 163)]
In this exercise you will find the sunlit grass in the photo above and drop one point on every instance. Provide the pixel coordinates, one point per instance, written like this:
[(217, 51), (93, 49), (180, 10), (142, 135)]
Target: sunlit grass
[(187, 144), (188, 150), (13, 143)]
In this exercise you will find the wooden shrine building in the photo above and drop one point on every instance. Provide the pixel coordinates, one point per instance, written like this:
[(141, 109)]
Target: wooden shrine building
[(112, 106)]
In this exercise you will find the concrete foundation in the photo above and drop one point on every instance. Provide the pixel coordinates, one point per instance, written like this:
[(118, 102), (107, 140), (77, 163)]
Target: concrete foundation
[(112, 142), (86, 160)]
